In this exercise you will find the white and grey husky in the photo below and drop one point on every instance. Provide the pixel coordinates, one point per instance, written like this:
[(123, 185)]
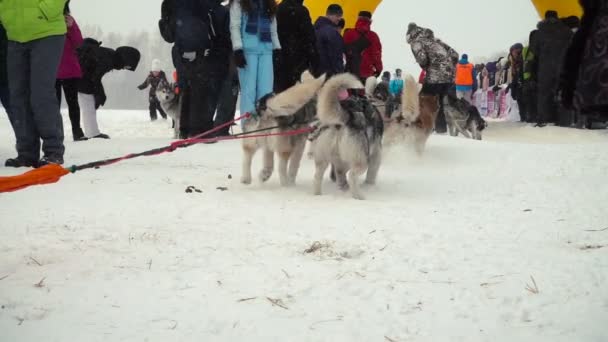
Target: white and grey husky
[(171, 103), (413, 119), (462, 117), (287, 111), (349, 135)]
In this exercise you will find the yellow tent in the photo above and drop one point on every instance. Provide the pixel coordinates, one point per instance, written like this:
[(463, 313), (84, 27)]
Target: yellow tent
[(352, 7)]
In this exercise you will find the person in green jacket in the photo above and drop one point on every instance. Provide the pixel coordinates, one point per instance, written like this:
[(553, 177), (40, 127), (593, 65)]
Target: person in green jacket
[(529, 84), (3, 73), (36, 33)]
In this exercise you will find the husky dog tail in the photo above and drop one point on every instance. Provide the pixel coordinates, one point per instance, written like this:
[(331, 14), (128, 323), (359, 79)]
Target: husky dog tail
[(329, 111), (306, 76), (410, 100), (291, 100)]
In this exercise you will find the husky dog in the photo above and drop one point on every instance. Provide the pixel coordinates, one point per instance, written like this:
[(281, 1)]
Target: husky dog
[(171, 103), (414, 118), (463, 117), (287, 111), (350, 134)]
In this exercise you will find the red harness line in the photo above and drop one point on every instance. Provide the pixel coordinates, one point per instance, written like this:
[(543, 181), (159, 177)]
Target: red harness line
[(189, 142)]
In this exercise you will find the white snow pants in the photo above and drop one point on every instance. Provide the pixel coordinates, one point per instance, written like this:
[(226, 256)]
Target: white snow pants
[(89, 115)]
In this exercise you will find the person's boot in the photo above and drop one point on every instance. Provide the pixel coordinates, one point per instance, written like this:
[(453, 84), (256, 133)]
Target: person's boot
[(78, 134), (101, 136), (20, 162), (46, 160)]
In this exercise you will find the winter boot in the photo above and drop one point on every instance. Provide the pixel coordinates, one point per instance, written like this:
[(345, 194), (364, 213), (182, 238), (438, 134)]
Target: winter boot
[(46, 160), (20, 162)]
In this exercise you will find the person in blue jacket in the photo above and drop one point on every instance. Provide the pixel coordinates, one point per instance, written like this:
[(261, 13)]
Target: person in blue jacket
[(329, 41), (253, 28), (395, 87)]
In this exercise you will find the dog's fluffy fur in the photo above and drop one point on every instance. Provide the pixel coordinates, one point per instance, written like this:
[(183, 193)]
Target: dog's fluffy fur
[(462, 117), (171, 103), (290, 110), (414, 118), (351, 141)]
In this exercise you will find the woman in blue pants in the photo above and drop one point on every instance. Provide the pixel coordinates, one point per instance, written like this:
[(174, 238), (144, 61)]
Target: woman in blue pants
[(253, 29)]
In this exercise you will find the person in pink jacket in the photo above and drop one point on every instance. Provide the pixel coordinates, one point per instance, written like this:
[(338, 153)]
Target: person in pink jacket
[(69, 73)]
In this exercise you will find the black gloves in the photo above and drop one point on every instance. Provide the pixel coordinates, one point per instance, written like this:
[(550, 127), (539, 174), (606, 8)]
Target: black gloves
[(100, 100), (239, 59)]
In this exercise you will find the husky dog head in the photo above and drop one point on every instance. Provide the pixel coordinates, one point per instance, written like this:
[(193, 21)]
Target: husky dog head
[(165, 92)]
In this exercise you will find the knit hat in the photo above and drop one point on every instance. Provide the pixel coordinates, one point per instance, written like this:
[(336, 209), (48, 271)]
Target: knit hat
[(335, 9), (411, 27), (551, 14), (365, 14), (517, 46), (155, 65)]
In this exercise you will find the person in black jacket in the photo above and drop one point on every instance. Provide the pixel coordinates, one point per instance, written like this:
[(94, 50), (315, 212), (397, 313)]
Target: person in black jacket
[(4, 94), (96, 61), (584, 87), (222, 94), (298, 43), (154, 78), (201, 55), (329, 42), (550, 47)]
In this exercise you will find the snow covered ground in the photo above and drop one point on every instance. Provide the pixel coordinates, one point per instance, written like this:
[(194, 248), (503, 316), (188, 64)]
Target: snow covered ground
[(444, 249)]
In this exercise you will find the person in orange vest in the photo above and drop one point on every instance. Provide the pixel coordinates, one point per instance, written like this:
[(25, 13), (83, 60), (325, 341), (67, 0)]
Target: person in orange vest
[(465, 76)]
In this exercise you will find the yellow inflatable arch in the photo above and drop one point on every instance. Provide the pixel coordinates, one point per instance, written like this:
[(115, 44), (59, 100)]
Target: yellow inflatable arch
[(352, 7)]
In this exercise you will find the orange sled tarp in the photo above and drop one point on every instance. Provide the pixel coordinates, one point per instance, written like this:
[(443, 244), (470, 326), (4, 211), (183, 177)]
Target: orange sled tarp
[(351, 8), (48, 174)]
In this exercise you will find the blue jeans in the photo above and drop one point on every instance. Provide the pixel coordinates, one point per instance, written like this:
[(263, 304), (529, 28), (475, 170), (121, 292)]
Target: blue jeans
[(35, 115), (256, 79)]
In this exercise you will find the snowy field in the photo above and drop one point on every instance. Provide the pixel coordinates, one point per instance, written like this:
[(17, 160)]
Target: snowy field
[(500, 240)]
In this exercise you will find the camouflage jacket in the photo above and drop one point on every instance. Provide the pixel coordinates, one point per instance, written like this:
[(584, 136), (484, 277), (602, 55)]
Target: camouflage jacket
[(436, 57)]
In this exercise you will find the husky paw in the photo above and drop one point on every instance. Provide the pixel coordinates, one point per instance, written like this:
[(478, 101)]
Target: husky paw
[(265, 175), (290, 181), (358, 196), (246, 180)]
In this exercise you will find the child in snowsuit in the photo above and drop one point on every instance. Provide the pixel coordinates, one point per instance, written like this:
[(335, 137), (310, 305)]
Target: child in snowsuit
[(96, 61), (153, 80)]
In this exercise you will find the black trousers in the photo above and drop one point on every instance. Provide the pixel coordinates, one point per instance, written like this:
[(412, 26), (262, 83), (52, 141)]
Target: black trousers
[(204, 78), (547, 102), (226, 104), (70, 89), (154, 108), (530, 100), (440, 90)]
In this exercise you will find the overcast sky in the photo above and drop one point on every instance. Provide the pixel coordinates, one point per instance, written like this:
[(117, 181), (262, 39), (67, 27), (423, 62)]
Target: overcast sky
[(477, 27)]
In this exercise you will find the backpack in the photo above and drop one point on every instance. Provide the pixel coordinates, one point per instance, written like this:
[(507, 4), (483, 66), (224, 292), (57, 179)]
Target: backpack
[(354, 53), (188, 24)]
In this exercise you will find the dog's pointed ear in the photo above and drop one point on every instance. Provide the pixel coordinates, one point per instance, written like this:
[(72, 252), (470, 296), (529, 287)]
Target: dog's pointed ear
[(294, 98)]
